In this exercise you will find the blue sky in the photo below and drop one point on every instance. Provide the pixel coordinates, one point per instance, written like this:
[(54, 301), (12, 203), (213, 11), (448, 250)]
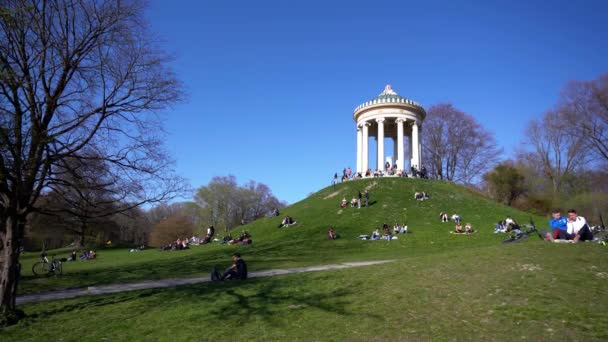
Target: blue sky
[(272, 84)]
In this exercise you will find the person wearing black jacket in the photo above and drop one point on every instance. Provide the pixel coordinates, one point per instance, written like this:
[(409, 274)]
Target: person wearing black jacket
[(238, 270)]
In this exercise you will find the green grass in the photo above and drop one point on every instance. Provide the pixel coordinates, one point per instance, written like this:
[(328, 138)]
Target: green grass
[(526, 291), (392, 200)]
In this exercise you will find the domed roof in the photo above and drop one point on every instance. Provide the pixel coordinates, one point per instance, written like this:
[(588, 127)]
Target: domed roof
[(389, 96)]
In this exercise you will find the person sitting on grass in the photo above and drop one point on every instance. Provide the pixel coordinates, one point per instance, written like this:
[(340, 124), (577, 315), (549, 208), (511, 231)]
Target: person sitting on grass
[(353, 202), (468, 229), (227, 238), (376, 234), (559, 225), (458, 228), (578, 229), (387, 232), (238, 269), (331, 234), (403, 229), (500, 227), (344, 202), (456, 218), (418, 196), (443, 217), (243, 239), (396, 228), (287, 221)]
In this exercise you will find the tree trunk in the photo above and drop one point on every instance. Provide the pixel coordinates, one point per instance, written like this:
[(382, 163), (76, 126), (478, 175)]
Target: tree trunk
[(10, 270)]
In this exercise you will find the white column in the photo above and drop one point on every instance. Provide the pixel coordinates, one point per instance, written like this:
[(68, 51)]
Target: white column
[(400, 156), (420, 147), (359, 147), (394, 151), (364, 147), (415, 146), (380, 143)]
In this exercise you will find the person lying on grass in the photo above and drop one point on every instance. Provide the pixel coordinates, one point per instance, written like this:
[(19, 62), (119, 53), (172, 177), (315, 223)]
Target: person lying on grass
[(243, 239), (331, 234), (468, 229), (238, 269)]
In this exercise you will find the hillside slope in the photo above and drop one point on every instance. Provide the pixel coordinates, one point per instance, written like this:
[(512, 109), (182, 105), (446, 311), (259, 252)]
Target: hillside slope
[(392, 200)]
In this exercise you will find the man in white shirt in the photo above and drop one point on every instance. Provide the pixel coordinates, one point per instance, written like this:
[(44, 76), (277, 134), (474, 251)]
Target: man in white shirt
[(578, 229)]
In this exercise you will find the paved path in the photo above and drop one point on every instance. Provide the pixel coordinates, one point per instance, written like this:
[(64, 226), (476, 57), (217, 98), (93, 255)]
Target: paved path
[(154, 284)]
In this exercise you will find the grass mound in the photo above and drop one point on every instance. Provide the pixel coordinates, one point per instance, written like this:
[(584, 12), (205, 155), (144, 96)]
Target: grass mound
[(391, 201)]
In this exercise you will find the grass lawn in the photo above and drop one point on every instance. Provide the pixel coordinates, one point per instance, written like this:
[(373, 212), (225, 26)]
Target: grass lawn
[(392, 200), (525, 291), (442, 286)]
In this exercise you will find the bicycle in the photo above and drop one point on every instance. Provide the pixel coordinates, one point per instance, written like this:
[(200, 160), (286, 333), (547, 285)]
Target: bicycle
[(522, 234), (44, 267)]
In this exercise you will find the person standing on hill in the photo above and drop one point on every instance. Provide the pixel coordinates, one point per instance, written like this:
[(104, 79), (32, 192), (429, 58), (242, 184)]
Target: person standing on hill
[(359, 200), (366, 198)]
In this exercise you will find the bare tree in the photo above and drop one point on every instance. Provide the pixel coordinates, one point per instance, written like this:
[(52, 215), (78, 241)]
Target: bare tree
[(584, 106), (457, 148), (76, 75), (556, 154), (225, 204)]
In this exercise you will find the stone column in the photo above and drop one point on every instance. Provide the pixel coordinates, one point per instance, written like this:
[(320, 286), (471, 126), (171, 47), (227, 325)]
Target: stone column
[(380, 143), (420, 147), (400, 155), (359, 147), (415, 146), (364, 147)]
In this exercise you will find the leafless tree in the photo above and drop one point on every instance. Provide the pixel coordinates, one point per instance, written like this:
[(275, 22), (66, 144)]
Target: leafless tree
[(457, 148), (584, 106), (556, 154), (77, 75)]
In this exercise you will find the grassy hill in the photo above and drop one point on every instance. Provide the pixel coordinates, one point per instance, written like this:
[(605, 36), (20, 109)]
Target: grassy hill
[(441, 286), (392, 200)]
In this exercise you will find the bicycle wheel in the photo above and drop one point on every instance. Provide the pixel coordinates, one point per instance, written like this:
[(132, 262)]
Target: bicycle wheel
[(40, 268), (58, 268)]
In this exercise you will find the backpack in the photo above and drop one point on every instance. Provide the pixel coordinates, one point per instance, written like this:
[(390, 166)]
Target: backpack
[(215, 275)]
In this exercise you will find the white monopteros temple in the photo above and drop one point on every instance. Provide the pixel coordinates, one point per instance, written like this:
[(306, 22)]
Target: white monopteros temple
[(389, 115)]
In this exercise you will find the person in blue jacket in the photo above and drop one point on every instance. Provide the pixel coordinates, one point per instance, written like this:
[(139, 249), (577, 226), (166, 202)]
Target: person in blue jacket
[(559, 224)]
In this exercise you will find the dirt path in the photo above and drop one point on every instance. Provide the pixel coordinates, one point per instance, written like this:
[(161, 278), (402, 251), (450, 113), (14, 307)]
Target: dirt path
[(155, 284)]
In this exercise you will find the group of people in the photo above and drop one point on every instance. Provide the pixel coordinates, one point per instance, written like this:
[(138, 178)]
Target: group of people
[(389, 170), (443, 216), (458, 229), (421, 196), (243, 239), (287, 221), (177, 245), (422, 173), (506, 226), (356, 201), (385, 232), (468, 229), (572, 228)]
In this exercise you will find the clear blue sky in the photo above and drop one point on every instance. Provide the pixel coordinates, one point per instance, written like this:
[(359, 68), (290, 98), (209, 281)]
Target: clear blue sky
[(272, 84)]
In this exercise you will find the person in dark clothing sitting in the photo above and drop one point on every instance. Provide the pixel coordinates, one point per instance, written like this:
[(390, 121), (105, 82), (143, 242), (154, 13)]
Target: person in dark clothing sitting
[(238, 269)]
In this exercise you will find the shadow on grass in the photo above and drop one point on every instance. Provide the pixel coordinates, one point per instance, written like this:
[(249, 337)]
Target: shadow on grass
[(267, 299)]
